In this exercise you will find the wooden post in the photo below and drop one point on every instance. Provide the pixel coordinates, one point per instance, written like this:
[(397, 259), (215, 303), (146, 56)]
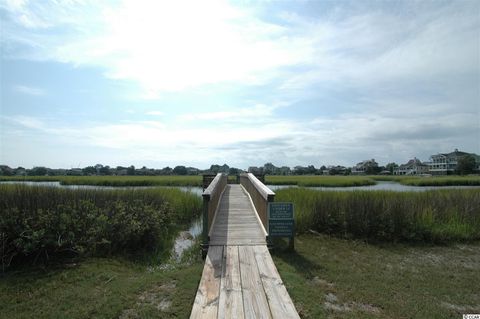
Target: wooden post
[(291, 242)]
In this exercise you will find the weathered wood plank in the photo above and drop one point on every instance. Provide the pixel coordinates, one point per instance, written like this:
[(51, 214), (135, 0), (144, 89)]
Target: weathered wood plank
[(281, 305), (231, 300), (254, 299), (236, 221), (205, 305)]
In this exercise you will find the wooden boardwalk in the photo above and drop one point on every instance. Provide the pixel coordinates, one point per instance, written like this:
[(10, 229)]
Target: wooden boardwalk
[(239, 279), (236, 222)]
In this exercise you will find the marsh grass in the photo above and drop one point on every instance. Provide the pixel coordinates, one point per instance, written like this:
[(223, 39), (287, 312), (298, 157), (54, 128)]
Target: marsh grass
[(432, 216), (442, 181), (37, 223), (453, 180), (319, 180), (170, 180)]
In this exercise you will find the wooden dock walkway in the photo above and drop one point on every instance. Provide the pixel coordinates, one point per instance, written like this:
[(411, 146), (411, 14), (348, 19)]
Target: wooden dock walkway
[(239, 279), (236, 222)]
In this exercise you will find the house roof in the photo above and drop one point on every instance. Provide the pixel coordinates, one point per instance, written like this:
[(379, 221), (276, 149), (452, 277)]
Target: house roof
[(411, 163), (455, 153)]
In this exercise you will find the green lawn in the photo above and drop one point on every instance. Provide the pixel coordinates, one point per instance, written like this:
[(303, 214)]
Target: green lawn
[(335, 278), (101, 288)]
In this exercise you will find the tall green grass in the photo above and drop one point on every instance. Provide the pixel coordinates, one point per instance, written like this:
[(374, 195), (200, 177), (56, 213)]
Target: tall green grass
[(38, 222), (452, 180), (433, 216), (319, 180), (31, 178), (171, 180), (442, 181), (391, 178)]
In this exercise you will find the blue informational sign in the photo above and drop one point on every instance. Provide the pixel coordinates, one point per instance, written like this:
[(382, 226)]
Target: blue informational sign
[(280, 220)]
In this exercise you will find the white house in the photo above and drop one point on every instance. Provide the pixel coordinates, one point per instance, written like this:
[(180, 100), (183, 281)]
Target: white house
[(412, 167), (446, 163), (362, 167)]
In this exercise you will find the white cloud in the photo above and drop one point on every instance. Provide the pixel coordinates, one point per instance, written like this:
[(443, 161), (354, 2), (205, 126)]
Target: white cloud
[(344, 139), (251, 114), (29, 90), (176, 45), (367, 49), (155, 113), (171, 45), (27, 121)]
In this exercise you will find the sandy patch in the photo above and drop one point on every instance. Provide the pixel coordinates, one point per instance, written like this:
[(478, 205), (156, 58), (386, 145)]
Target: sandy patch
[(331, 303)]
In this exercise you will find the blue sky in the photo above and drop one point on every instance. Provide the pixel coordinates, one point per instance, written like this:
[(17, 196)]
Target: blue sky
[(193, 83)]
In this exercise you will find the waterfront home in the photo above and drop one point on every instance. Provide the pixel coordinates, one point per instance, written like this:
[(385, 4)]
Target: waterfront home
[(412, 167)]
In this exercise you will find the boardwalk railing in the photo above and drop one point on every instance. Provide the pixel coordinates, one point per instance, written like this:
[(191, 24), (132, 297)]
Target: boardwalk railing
[(211, 197), (261, 195)]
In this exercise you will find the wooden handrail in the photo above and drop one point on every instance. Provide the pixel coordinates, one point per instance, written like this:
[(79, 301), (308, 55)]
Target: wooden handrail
[(211, 198), (261, 195)]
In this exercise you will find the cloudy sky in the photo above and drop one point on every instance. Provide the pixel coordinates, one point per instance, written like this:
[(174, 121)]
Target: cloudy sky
[(193, 83)]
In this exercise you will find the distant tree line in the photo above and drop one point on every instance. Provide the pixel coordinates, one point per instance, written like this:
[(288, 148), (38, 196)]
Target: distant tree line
[(105, 170), (466, 165)]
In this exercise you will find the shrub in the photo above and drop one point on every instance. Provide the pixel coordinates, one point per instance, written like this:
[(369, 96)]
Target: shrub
[(41, 221)]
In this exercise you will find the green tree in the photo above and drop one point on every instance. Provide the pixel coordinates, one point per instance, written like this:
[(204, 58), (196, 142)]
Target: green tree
[(6, 170), (466, 165), (105, 170), (233, 171), (180, 170), (38, 171), (391, 167), (167, 171), (89, 170), (372, 168), (131, 170), (215, 168)]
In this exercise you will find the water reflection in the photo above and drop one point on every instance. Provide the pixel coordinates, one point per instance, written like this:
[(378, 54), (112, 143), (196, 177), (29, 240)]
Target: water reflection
[(186, 239)]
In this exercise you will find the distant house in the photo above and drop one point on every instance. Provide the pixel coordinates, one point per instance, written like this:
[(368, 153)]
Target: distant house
[(21, 171), (255, 170), (74, 172), (192, 171), (334, 170), (122, 172), (364, 167), (412, 167), (446, 163)]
